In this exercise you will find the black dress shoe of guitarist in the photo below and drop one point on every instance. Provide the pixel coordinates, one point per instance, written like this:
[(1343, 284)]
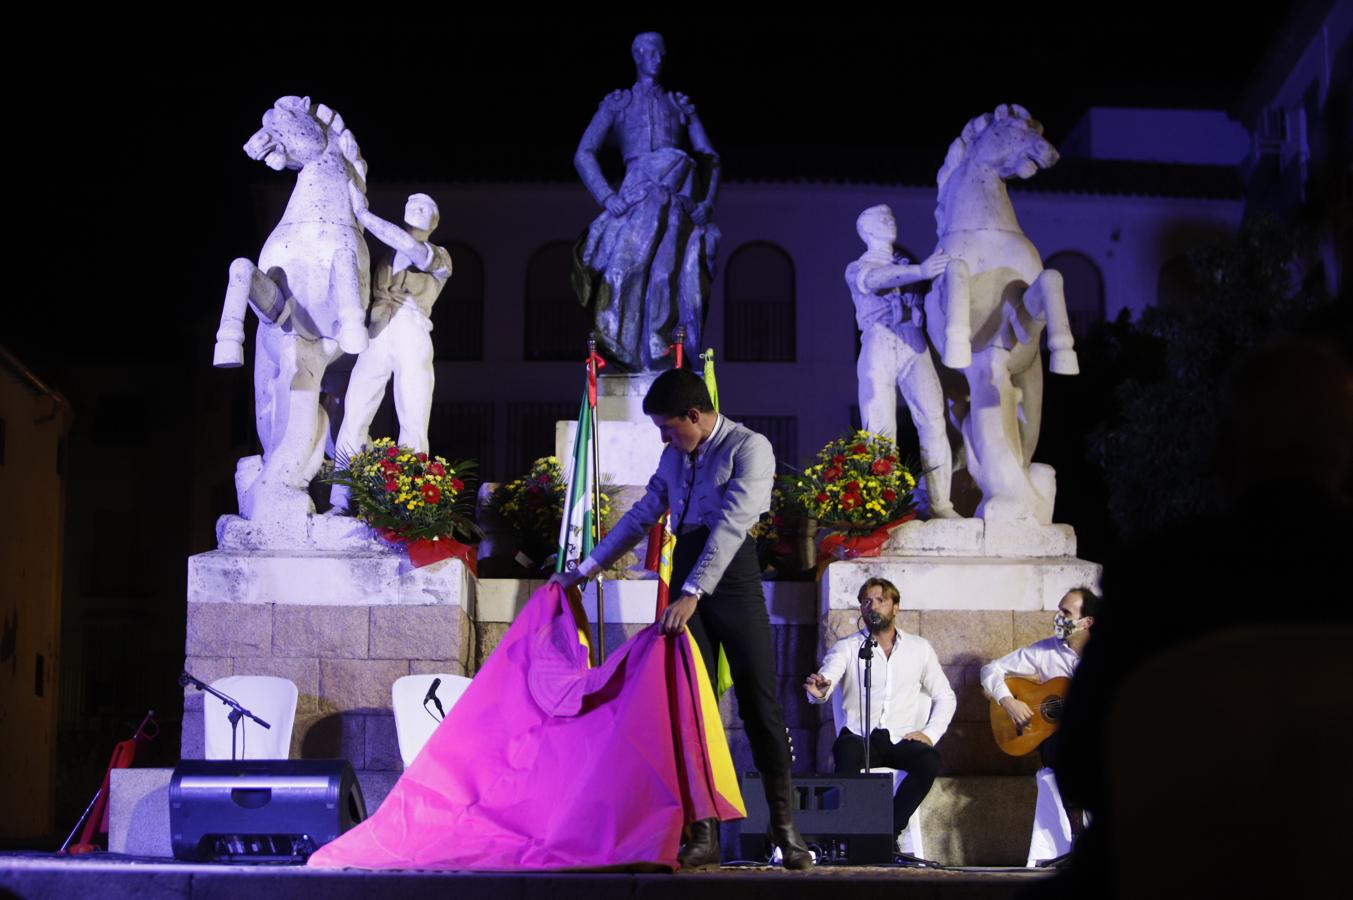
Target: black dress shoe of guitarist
[(702, 850)]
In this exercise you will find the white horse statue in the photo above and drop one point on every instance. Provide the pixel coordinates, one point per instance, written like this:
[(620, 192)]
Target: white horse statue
[(989, 309), (310, 290)]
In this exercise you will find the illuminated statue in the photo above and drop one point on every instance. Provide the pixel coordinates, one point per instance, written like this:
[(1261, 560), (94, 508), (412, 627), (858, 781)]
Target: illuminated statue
[(988, 310), (646, 264), (310, 291), (894, 353), (407, 283)]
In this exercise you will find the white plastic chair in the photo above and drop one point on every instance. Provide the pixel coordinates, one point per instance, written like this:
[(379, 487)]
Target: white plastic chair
[(910, 839), (271, 699), (414, 724)]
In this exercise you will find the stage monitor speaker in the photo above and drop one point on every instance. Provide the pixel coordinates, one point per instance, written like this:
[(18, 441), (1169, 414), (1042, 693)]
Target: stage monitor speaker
[(844, 818), (262, 810)]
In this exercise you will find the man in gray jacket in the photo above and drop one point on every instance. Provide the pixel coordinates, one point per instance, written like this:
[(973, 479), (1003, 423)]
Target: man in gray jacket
[(716, 476)]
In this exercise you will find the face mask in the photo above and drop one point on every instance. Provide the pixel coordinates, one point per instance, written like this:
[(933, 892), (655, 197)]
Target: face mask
[(1063, 628)]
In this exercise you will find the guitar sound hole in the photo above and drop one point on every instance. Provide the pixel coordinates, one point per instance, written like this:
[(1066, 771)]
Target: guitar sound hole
[(1051, 708)]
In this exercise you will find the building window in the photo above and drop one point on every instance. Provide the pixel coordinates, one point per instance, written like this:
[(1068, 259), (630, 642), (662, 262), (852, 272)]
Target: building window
[(458, 315), (1175, 284), (530, 432), (1084, 288), (556, 324), (464, 431), (759, 304), (783, 434)]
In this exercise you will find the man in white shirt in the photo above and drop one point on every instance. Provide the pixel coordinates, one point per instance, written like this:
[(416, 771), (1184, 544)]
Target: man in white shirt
[(1052, 657), (903, 665)]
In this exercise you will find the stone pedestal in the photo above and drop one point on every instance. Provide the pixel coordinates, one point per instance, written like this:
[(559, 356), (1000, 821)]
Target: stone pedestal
[(341, 624), (629, 444)]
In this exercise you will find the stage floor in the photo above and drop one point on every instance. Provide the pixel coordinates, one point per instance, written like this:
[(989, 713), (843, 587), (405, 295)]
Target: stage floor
[(46, 876)]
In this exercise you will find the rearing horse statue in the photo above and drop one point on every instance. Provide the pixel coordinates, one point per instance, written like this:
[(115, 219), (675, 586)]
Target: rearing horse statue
[(310, 290), (989, 308)]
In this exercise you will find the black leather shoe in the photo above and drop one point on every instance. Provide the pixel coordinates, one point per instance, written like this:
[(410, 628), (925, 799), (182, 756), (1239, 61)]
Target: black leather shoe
[(702, 850), (783, 832)]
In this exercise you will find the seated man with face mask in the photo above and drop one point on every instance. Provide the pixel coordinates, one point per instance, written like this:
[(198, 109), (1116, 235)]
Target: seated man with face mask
[(1052, 657)]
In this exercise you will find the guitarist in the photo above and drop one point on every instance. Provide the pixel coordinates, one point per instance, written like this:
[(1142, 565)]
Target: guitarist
[(1052, 657)]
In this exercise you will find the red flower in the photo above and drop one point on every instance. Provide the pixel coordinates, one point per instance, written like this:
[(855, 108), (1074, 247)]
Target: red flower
[(853, 487), (838, 459), (850, 501), (882, 467), (831, 474), (457, 485), (421, 457), (822, 498), (859, 449), (889, 495), (392, 452), (776, 521), (391, 485), (432, 494), (389, 467), (436, 469)]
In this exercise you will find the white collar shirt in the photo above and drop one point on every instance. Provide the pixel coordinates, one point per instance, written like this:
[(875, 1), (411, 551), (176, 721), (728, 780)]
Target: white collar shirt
[(910, 691), (1041, 660)]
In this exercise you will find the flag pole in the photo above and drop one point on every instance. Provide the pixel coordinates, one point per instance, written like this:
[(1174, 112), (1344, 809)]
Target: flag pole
[(596, 490)]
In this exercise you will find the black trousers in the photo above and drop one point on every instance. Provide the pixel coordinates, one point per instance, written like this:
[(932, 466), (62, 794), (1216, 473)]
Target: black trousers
[(920, 761), (734, 615)]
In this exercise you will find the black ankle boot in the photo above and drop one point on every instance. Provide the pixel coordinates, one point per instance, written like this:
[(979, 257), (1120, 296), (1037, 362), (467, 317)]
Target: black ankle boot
[(783, 832), (702, 850)]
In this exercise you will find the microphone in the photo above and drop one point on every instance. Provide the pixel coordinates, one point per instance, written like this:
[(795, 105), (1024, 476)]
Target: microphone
[(184, 679), (431, 695), (874, 619)]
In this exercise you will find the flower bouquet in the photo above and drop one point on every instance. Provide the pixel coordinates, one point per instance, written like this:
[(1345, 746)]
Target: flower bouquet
[(858, 490), (532, 507), (411, 498)]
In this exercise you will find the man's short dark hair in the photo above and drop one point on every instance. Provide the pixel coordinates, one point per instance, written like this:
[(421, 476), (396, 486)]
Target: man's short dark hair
[(889, 590), (1089, 600), (675, 391)]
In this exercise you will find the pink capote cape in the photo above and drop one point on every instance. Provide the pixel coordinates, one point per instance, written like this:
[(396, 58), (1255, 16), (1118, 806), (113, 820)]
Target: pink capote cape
[(545, 763)]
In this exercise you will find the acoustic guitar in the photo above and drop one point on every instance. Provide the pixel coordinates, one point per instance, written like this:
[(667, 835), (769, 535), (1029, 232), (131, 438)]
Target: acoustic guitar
[(1046, 702)]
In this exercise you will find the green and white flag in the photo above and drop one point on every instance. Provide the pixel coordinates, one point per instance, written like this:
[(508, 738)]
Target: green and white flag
[(577, 529)]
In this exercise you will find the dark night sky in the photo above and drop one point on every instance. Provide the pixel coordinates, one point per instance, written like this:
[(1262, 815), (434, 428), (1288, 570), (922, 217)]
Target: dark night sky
[(143, 136)]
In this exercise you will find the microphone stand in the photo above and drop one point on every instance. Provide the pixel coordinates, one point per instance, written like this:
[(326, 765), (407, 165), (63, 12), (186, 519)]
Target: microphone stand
[(237, 711), (867, 654)]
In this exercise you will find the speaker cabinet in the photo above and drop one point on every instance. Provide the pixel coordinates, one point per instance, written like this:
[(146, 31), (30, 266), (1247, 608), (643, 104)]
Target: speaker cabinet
[(263, 810), (845, 818)]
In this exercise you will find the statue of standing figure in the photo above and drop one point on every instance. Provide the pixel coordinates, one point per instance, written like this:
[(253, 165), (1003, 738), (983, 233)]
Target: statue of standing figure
[(646, 265), (893, 350), (405, 285)]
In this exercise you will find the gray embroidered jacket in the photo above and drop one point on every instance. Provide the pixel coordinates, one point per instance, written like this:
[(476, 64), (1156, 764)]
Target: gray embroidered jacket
[(732, 487)]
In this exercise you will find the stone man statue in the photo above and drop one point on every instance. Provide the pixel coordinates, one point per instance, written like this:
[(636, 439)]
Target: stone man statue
[(646, 264), (406, 283), (893, 350)]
